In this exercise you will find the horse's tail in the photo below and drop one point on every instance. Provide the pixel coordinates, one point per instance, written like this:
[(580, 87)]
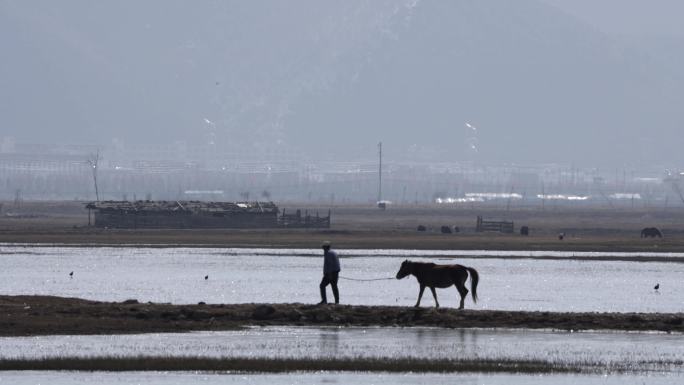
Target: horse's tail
[(474, 279)]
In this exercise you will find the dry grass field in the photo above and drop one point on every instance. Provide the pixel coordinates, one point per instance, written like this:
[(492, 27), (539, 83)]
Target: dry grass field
[(594, 229)]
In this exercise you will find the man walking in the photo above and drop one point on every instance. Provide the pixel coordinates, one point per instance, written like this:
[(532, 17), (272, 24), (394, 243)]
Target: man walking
[(331, 272)]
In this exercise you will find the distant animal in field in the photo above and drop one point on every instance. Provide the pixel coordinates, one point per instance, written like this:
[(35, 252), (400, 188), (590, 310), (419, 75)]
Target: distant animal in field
[(651, 232), (71, 275), (656, 287), (446, 230), (206, 277), (525, 230), (440, 276), (561, 236), (421, 228)]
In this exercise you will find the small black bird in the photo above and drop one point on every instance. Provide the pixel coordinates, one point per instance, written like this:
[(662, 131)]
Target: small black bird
[(206, 277), (657, 286), (71, 275)]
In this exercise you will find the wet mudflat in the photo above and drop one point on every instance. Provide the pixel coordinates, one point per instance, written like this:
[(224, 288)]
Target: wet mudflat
[(40, 315), (177, 275)]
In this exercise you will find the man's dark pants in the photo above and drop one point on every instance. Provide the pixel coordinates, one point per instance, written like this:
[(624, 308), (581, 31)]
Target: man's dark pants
[(330, 279)]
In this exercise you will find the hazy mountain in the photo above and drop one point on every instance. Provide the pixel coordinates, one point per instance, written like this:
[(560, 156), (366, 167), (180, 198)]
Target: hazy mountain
[(660, 18), (538, 84), (332, 79)]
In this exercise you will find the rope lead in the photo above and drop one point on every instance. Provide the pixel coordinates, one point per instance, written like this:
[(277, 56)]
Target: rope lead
[(371, 279)]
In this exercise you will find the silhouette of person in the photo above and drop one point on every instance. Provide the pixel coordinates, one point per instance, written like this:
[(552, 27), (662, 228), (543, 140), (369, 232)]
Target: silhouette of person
[(331, 272)]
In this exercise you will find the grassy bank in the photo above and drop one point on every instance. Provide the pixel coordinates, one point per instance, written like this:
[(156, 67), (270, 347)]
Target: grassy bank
[(280, 365)]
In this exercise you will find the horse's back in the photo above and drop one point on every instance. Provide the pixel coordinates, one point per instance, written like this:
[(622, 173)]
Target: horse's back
[(432, 274)]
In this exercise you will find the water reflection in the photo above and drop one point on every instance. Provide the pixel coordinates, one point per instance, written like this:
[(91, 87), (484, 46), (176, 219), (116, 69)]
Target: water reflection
[(330, 342), (644, 350), (168, 378)]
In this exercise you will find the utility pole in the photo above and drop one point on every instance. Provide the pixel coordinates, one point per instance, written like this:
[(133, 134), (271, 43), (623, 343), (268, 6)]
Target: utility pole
[(380, 172), (17, 199), (94, 161), (508, 203), (675, 187)]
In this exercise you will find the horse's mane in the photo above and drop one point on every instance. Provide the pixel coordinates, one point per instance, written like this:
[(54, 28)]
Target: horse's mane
[(431, 265), (423, 263)]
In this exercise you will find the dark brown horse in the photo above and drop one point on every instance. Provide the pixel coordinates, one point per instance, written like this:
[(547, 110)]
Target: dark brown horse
[(442, 276), (651, 232)]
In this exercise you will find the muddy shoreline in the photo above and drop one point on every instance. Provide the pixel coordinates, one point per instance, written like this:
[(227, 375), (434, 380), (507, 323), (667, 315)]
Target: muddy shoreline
[(342, 239), (44, 315)]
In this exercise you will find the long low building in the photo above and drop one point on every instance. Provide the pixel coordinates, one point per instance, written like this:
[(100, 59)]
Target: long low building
[(183, 214)]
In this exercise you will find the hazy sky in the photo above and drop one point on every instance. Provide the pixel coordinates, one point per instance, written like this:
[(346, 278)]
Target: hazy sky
[(629, 17), (542, 80)]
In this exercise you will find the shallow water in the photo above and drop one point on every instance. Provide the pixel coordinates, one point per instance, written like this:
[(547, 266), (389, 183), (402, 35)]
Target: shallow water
[(176, 275), (14, 247), (172, 378), (638, 351), (455, 253)]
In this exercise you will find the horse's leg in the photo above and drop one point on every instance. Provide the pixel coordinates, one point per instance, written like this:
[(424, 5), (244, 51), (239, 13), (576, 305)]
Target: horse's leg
[(460, 286), (420, 294), (434, 294)]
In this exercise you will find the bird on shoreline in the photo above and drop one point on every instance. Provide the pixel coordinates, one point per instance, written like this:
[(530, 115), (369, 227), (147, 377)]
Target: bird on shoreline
[(206, 277), (71, 275), (656, 287)]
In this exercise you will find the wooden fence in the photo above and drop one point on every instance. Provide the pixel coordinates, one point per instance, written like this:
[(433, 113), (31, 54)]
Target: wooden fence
[(297, 220), (496, 226)]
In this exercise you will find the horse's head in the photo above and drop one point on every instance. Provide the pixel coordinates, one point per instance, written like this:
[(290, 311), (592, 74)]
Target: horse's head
[(404, 270)]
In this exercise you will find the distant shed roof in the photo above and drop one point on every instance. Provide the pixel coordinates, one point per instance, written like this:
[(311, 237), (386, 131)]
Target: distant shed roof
[(191, 206)]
